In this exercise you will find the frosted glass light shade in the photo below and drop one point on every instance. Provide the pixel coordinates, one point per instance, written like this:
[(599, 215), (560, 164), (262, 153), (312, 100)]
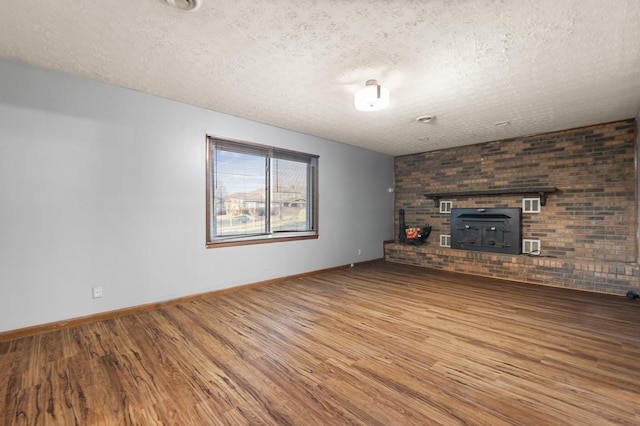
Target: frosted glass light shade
[(371, 97)]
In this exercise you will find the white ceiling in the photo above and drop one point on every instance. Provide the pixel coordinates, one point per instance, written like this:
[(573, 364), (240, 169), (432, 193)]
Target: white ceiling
[(541, 65)]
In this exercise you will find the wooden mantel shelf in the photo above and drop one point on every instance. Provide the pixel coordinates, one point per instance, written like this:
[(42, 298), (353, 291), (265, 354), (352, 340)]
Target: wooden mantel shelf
[(540, 191)]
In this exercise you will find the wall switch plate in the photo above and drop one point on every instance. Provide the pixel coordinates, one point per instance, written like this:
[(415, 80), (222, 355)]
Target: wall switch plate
[(97, 292)]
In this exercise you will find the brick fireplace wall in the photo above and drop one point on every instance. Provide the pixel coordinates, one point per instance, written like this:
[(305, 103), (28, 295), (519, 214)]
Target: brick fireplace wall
[(587, 229)]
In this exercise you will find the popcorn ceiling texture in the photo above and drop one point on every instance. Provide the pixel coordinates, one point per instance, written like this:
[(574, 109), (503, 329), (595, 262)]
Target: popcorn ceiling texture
[(542, 65), (587, 229)]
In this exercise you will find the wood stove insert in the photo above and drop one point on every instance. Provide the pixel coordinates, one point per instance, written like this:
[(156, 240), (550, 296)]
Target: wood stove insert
[(493, 230)]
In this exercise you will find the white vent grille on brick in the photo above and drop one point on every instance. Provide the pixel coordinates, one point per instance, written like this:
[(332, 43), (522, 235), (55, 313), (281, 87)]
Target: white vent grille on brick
[(531, 205), (531, 247), (445, 206)]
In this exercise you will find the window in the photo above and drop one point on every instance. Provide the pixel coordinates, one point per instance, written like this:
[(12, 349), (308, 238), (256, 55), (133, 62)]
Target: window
[(258, 194)]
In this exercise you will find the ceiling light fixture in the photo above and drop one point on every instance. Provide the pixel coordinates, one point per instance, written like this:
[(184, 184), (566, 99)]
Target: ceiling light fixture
[(184, 4), (372, 97)]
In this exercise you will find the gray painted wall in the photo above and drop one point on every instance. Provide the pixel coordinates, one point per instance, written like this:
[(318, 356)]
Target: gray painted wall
[(104, 186)]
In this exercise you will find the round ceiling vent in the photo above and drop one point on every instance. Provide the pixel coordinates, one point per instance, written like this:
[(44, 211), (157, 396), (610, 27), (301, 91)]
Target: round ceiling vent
[(184, 4), (425, 119)]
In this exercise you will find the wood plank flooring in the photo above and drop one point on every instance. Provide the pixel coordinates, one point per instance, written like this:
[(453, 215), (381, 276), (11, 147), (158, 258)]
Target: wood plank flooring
[(378, 344)]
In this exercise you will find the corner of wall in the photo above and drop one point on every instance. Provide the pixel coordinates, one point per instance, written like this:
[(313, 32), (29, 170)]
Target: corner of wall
[(637, 188)]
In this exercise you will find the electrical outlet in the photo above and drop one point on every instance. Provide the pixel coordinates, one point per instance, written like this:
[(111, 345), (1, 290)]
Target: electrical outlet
[(359, 252), (97, 292), (267, 265)]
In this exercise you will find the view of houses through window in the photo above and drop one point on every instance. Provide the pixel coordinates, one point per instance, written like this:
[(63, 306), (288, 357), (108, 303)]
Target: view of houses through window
[(259, 191)]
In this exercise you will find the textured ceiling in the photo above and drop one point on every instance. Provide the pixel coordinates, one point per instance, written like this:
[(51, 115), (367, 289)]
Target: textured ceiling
[(541, 65)]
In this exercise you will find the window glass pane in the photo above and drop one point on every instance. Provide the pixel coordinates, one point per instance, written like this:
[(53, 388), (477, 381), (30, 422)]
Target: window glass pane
[(240, 193), (289, 195)]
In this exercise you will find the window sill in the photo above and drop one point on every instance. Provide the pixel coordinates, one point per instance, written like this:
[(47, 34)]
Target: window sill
[(262, 239)]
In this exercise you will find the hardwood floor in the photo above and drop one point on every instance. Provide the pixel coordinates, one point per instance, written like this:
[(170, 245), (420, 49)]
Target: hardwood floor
[(378, 344)]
